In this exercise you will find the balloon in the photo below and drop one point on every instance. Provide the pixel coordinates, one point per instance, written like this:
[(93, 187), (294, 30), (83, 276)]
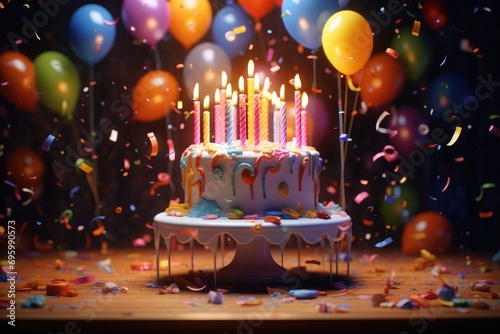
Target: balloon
[(304, 20), (191, 20), (91, 33), (24, 167), (347, 41), (427, 230), (395, 207), (435, 13), (382, 80), (147, 21), (58, 82), (17, 80), (233, 29), (415, 52), (154, 95), (447, 90), (204, 65), (411, 129), (257, 9)]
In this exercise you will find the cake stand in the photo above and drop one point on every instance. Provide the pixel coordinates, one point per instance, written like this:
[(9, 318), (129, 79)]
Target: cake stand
[(252, 262)]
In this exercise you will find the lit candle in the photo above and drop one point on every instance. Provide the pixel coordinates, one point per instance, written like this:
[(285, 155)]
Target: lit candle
[(264, 112), (243, 113), (298, 131), (234, 111), (217, 117), (223, 106), (229, 116), (206, 121), (257, 109), (282, 128), (276, 118), (251, 104), (303, 119), (196, 115)]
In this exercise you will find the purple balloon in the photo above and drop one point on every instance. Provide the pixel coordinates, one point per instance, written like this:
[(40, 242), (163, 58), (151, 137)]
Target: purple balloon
[(147, 21)]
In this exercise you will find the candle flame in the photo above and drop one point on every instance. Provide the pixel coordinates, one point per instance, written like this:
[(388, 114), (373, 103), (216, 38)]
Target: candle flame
[(196, 91), (282, 92), (217, 96), (265, 89), (305, 100), (229, 89), (297, 82), (257, 81), (241, 84), (235, 98), (206, 102), (224, 78), (250, 68)]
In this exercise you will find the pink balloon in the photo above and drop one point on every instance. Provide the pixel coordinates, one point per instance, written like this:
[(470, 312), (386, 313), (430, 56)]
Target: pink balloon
[(147, 21)]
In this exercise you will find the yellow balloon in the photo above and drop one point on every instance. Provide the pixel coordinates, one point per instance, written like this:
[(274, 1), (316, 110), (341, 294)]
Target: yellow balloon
[(191, 20), (347, 40)]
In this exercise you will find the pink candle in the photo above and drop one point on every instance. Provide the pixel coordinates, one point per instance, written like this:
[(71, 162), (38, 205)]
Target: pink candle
[(282, 128), (276, 117), (223, 106), (218, 118), (235, 115), (196, 115), (257, 110), (251, 104), (298, 131), (243, 113), (303, 119)]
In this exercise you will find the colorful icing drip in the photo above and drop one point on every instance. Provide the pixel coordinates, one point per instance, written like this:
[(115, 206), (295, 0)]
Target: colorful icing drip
[(201, 171), (272, 170), (235, 171), (301, 171)]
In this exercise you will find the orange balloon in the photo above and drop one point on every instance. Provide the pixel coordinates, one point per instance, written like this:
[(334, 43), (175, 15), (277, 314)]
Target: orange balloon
[(190, 20), (24, 167), (257, 9), (154, 96), (428, 230), (17, 80), (382, 80)]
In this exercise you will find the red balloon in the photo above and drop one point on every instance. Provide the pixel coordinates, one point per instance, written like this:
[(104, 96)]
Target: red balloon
[(435, 13), (428, 230), (257, 9), (382, 80), (17, 79), (24, 167)]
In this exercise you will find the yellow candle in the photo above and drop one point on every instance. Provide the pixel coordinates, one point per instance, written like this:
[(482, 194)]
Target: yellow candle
[(264, 112), (206, 121), (251, 104)]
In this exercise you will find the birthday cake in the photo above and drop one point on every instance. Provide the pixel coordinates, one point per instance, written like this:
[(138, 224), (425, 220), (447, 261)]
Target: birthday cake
[(236, 182)]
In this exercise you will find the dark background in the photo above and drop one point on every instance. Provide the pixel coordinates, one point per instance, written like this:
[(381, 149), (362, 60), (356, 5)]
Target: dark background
[(125, 199)]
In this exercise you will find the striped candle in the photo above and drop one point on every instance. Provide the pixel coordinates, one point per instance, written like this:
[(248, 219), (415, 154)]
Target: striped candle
[(243, 113), (251, 104), (298, 108), (196, 116), (234, 110), (282, 128), (303, 119), (257, 109), (223, 106), (229, 116), (264, 112), (276, 117), (206, 121), (218, 118)]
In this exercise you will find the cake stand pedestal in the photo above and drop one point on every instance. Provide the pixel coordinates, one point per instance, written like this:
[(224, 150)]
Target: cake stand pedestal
[(252, 262)]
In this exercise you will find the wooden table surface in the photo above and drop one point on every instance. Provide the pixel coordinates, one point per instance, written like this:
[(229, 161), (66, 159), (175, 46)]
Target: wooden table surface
[(139, 305)]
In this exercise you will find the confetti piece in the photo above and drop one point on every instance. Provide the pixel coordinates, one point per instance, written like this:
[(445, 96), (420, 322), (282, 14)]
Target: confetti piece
[(361, 197), (84, 166), (415, 30), (389, 153), (113, 136), (154, 144), (351, 85), (390, 132), (391, 52), (171, 149), (494, 130), (455, 136), (446, 185), (48, 141), (484, 186), (111, 23), (488, 214)]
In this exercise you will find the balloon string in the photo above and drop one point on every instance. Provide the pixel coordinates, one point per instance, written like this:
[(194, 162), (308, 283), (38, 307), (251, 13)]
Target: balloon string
[(341, 126), (159, 67), (353, 113), (314, 83)]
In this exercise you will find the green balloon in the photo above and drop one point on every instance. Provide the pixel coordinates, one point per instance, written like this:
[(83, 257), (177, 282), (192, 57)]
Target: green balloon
[(415, 52), (58, 82)]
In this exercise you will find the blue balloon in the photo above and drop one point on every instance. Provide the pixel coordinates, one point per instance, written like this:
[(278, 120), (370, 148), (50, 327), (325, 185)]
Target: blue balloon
[(447, 93), (92, 32), (304, 20), (233, 29)]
